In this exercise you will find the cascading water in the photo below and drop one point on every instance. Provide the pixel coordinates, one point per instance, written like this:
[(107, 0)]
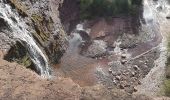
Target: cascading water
[(76, 40), (20, 33), (117, 49)]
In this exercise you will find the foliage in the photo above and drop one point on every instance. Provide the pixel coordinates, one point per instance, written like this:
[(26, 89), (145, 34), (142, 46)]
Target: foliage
[(103, 8), (167, 87), (167, 80)]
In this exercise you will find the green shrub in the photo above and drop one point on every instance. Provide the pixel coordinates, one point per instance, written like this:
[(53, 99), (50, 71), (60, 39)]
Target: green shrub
[(104, 8), (167, 87), (168, 62), (167, 80)]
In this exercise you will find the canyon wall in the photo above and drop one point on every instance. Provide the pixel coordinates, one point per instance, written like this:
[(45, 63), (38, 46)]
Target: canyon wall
[(42, 18)]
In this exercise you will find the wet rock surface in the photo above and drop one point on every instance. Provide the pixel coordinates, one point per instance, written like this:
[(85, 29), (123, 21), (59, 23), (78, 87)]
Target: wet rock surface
[(42, 18), (19, 54)]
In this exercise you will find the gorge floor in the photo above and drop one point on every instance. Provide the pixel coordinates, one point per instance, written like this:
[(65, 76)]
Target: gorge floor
[(101, 52), (122, 61)]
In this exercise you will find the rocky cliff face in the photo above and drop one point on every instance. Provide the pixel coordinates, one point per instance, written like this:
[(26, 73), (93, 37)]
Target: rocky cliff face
[(42, 17), (69, 14)]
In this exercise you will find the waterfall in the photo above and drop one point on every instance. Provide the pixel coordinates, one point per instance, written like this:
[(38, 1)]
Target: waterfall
[(147, 14), (117, 49), (20, 32)]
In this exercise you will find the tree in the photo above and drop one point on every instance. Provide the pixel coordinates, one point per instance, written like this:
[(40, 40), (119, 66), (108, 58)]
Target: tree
[(104, 8)]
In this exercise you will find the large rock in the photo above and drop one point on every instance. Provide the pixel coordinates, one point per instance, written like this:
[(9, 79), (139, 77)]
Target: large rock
[(19, 54), (168, 16), (97, 48)]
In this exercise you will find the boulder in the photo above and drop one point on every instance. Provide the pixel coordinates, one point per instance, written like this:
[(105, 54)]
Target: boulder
[(18, 53), (96, 49), (168, 16), (136, 67)]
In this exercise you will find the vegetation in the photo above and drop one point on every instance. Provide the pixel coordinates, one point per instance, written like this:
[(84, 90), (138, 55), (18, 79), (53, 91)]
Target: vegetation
[(167, 80), (22, 9), (167, 87), (18, 53), (103, 8)]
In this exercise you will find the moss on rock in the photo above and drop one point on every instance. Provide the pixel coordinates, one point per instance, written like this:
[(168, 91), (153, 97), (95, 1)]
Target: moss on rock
[(43, 22), (22, 9), (19, 54), (167, 80), (40, 27)]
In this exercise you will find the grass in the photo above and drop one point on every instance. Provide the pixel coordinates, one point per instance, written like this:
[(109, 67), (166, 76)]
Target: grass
[(22, 9), (103, 8)]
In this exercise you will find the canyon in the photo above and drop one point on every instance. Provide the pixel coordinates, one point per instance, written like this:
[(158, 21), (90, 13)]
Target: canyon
[(47, 52)]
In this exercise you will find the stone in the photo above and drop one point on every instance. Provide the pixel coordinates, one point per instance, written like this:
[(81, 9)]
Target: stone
[(110, 52), (118, 77), (119, 73), (145, 66), (136, 67), (114, 81), (121, 86), (110, 63), (133, 74), (123, 61), (139, 82), (100, 58), (113, 73), (124, 73), (135, 89), (97, 48), (110, 70), (159, 8), (168, 16), (123, 56)]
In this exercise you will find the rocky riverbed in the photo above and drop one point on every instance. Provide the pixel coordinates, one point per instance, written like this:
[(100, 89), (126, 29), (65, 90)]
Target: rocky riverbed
[(18, 83), (97, 54), (110, 53)]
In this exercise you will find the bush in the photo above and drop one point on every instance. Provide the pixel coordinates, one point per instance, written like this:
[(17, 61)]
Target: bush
[(104, 8), (167, 87), (168, 62), (167, 80)]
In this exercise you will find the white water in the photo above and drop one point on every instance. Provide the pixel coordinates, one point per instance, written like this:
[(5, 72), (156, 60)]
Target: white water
[(76, 39), (147, 13), (117, 49), (20, 33)]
